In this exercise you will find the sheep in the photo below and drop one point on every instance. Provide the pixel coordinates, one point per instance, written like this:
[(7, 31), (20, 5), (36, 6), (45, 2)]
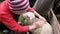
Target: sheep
[(45, 29)]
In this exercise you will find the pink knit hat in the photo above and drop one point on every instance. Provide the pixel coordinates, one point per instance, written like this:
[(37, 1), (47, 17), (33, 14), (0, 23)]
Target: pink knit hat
[(17, 5)]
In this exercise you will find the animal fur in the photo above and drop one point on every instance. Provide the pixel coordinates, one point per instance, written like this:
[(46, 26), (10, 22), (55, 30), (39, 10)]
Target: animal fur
[(45, 29)]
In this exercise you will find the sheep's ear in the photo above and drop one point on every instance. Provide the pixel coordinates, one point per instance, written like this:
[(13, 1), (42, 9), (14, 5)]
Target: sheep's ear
[(23, 15)]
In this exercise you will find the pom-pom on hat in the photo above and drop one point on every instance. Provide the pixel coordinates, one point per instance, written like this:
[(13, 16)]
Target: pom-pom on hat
[(17, 5)]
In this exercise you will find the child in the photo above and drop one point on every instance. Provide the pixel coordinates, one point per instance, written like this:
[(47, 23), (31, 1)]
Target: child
[(18, 7)]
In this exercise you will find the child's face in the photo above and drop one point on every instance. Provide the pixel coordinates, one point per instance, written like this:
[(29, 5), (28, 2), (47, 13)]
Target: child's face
[(19, 12)]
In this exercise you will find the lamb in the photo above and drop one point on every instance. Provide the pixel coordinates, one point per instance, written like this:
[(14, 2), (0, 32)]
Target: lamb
[(45, 29)]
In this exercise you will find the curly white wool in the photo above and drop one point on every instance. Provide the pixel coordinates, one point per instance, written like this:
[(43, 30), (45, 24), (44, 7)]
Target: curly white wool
[(30, 15)]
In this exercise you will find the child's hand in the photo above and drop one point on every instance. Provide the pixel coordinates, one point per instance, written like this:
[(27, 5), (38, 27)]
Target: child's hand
[(42, 19), (39, 23), (36, 25)]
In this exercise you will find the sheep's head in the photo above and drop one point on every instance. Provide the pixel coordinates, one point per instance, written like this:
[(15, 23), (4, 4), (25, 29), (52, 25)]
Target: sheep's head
[(29, 17)]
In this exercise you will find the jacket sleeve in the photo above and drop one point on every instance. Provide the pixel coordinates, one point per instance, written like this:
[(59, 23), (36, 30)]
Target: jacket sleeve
[(9, 22), (30, 9)]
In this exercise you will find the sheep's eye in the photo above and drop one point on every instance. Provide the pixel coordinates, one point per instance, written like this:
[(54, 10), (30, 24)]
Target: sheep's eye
[(23, 17)]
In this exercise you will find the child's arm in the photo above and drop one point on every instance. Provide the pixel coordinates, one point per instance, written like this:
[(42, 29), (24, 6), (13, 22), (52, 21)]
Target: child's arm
[(39, 16), (36, 14)]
